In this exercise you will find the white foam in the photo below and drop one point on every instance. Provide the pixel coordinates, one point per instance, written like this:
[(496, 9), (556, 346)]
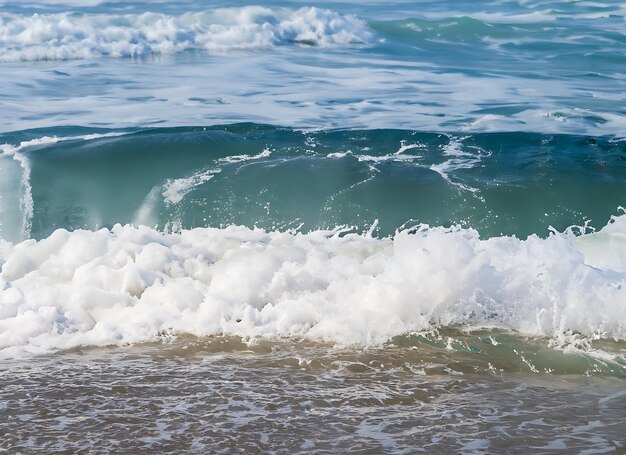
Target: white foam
[(606, 249), (241, 158), (130, 284), (399, 156), (10, 149), (26, 197), (404, 146), (461, 157), (65, 36), (175, 190)]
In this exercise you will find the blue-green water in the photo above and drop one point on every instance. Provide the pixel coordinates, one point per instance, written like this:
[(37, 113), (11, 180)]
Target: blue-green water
[(332, 91), (295, 227), (279, 178), (555, 67)]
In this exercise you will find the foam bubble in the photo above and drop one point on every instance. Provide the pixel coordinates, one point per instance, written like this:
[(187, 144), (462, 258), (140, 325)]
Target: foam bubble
[(460, 157), (241, 158), (132, 283), (175, 190), (65, 36)]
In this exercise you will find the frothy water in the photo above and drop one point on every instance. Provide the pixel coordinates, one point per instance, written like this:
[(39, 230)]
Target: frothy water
[(391, 227), (78, 36), (220, 395), (290, 276), (134, 284), (549, 68)]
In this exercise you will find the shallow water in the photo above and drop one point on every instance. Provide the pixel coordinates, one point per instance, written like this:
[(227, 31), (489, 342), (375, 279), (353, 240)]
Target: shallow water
[(222, 396)]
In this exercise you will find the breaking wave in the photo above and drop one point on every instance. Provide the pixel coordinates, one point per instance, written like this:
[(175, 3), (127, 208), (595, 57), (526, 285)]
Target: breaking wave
[(134, 284), (64, 36)]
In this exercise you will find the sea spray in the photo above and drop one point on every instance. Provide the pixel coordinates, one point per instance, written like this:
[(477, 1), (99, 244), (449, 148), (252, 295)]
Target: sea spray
[(77, 36), (133, 283)]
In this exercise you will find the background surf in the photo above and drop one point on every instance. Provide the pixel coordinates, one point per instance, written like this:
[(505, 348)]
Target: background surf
[(542, 67)]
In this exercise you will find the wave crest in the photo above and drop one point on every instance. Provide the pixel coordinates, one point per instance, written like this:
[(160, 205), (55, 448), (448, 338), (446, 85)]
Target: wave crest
[(65, 36), (131, 284)]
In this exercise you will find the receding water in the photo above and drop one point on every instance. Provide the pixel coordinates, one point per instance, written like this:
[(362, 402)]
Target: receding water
[(222, 396)]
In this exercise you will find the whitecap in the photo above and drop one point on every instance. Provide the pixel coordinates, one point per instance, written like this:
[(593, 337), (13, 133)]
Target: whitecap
[(132, 283), (64, 36)]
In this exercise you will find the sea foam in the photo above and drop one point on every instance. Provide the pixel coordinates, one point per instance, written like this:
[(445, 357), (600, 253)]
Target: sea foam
[(65, 36), (133, 284)]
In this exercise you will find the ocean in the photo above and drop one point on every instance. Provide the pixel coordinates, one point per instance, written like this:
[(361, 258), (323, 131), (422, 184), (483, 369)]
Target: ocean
[(313, 227)]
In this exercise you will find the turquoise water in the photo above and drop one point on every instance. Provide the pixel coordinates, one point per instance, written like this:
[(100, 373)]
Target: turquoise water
[(279, 178), (473, 155), (398, 225), (542, 67), (332, 92)]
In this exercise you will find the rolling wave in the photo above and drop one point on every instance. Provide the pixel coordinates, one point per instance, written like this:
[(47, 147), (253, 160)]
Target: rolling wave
[(274, 263), (133, 284), (279, 178), (64, 36)]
